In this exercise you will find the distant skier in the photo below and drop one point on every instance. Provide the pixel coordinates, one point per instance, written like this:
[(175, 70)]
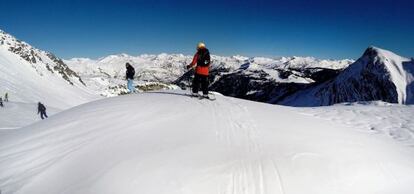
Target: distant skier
[(1, 102), (202, 62), (6, 97), (41, 109), (130, 72)]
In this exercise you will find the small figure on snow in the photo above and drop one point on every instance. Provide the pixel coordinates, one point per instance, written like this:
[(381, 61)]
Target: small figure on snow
[(202, 62), (42, 110), (1, 102), (130, 72), (6, 97)]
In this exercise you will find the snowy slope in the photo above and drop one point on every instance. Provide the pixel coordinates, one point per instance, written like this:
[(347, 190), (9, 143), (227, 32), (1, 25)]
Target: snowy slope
[(18, 114), (30, 75), (378, 75), (169, 143)]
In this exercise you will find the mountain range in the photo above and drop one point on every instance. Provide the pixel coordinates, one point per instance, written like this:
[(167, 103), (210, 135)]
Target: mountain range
[(32, 75)]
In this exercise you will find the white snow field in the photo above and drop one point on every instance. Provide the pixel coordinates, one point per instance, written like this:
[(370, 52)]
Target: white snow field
[(160, 142), (18, 114), (392, 120)]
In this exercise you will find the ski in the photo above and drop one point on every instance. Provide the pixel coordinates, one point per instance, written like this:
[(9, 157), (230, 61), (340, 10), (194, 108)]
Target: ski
[(210, 97)]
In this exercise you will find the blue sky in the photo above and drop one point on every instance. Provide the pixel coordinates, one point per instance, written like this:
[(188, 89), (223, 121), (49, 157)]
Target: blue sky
[(323, 29)]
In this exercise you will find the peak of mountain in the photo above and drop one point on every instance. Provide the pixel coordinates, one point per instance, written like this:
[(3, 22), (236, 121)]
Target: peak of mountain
[(378, 75), (379, 52)]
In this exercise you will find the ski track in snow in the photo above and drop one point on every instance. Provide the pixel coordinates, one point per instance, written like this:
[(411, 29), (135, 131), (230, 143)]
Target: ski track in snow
[(248, 175)]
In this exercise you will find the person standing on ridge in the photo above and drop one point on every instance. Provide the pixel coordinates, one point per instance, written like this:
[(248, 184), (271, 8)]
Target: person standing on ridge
[(130, 72), (42, 110), (202, 62), (6, 97), (1, 102)]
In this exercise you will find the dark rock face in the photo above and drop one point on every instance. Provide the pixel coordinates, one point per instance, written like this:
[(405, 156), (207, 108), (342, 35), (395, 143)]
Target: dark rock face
[(320, 75), (64, 70), (28, 55), (366, 87), (373, 83), (256, 87)]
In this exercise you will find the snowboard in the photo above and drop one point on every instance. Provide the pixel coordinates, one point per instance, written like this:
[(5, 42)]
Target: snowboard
[(211, 96)]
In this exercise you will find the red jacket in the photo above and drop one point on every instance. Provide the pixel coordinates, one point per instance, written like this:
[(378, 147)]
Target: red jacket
[(201, 70)]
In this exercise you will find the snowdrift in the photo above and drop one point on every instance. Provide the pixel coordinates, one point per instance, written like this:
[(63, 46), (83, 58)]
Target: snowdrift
[(157, 143)]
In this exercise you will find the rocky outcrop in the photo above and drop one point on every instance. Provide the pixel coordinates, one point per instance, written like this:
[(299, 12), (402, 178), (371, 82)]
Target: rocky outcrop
[(39, 60)]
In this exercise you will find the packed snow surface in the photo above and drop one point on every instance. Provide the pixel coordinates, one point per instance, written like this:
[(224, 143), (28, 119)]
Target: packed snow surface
[(162, 142)]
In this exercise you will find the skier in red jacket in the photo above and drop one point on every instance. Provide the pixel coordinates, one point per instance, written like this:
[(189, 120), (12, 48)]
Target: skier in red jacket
[(202, 62)]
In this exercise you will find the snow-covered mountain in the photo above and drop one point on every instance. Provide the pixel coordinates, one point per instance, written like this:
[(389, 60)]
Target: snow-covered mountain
[(146, 143), (378, 75), (106, 74), (31, 75)]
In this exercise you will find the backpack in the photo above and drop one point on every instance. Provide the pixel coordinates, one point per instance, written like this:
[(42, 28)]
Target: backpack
[(203, 59), (132, 71)]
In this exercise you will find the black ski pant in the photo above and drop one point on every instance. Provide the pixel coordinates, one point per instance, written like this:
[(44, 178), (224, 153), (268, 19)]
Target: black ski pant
[(200, 80), (43, 114)]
